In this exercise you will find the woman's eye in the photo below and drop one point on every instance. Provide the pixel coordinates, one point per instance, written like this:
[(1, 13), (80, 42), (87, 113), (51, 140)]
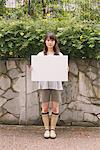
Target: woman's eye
[(50, 40)]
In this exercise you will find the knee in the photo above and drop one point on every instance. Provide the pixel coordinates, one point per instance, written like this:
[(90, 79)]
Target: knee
[(55, 109), (44, 109)]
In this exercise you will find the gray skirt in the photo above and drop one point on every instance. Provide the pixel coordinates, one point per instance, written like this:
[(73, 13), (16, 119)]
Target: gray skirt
[(46, 95)]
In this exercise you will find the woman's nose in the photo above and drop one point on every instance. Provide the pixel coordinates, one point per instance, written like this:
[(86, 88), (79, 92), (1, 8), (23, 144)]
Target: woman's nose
[(50, 42)]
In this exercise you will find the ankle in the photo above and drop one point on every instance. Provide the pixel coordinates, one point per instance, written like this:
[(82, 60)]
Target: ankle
[(47, 129), (52, 129), (55, 113)]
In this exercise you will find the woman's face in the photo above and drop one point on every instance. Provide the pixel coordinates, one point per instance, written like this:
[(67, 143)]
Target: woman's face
[(50, 43)]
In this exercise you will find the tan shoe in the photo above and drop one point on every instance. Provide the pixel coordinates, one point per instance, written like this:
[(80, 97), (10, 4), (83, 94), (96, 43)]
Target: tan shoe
[(52, 134), (47, 134)]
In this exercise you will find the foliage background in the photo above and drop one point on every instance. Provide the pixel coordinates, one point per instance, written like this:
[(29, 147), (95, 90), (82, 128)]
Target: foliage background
[(78, 30)]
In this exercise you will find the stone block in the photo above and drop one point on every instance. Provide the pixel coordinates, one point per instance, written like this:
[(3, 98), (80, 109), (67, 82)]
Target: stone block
[(9, 119), (97, 82), (71, 115), (83, 99), (11, 64), (63, 97), (98, 116), (1, 92), (22, 99), (97, 91), (12, 106), (22, 107), (22, 65), (73, 67), (2, 111), (85, 87), (84, 124), (10, 94), (31, 85), (90, 117), (2, 101), (13, 73), (89, 108), (71, 89), (63, 108), (91, 69), (32, 99), (2, 67), (98, 64), (22, 118), (91, 75), (95, 101), (19, 85), (82, 68), (5, 82), (94, 63), (33, 113)]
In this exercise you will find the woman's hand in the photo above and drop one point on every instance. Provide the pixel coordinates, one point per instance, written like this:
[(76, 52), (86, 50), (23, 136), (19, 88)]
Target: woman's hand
[(68, 68), (30, 67)]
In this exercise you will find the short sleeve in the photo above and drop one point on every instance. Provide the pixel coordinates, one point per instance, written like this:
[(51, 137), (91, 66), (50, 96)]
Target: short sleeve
[(40, 54), (60, 54)]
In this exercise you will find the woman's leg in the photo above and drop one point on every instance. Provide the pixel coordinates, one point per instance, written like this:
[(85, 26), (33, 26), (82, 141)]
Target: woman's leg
[(45, 114), (55, 114), (44, 99), (55, 107), (55, 101)]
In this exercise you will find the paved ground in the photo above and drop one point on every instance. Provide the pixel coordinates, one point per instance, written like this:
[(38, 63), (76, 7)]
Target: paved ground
[(31, 138)]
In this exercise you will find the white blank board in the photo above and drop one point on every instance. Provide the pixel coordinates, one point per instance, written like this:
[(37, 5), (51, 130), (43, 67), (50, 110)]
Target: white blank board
[(49, 68)]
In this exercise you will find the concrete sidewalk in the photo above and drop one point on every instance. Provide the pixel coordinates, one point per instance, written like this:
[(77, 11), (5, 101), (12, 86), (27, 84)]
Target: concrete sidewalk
[(15, 137)]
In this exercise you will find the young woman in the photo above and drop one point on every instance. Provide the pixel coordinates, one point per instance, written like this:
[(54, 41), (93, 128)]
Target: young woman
[(50, 90)]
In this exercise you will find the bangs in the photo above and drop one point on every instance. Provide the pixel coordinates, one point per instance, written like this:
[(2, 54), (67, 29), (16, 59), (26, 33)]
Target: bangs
[(50, 36)]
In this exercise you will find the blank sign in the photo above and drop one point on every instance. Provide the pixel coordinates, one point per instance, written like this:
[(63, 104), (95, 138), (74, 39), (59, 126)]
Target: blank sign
[(49, 68)]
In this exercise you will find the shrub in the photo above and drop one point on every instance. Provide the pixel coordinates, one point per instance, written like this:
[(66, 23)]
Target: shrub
[(23, 37)]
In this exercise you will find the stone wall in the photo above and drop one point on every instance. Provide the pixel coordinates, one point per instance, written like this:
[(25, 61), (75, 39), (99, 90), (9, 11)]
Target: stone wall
[(19, 102)]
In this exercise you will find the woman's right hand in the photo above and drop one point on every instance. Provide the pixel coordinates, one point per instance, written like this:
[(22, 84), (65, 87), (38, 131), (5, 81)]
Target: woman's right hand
[(30, 67)]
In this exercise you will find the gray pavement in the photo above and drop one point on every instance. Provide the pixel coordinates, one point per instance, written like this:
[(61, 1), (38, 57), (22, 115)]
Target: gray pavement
[(15, 137)]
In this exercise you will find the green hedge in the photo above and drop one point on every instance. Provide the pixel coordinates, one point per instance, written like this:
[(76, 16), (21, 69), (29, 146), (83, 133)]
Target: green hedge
[(23, 37)]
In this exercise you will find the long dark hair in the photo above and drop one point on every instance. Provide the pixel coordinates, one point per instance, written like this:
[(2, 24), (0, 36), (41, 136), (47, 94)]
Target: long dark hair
[(55, 48)]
